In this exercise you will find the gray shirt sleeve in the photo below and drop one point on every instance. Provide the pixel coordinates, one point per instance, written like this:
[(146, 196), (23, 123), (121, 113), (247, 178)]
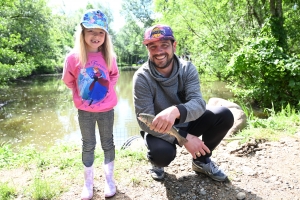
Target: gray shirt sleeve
[(194, 102)]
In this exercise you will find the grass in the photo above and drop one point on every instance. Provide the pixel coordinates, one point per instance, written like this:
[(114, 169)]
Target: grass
[(46, 175), (50, 173), (7, 191), (276, 125), (43, 189)]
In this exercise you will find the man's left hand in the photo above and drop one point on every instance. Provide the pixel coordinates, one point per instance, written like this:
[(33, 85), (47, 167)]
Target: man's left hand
[(195, 146)]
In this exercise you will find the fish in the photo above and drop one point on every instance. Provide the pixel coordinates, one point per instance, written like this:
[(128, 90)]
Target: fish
[(148, 118)]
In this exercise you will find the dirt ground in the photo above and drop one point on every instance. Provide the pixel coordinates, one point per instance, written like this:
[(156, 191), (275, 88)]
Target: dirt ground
[(256, 170)]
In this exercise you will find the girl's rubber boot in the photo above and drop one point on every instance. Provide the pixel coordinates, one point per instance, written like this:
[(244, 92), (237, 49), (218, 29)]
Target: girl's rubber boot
[(87, 191), (110, 186)]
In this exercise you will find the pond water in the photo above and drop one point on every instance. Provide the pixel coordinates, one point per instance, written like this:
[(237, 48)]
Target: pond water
[(40, 111)]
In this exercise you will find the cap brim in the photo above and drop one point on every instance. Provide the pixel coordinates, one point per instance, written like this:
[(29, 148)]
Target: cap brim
[(87, 25), (157, 39)]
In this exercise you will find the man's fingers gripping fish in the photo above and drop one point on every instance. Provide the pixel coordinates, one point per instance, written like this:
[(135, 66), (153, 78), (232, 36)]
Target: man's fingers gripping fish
[(147, 119)]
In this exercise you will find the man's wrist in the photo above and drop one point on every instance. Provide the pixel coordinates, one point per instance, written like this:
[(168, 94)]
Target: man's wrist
[(176, 112)]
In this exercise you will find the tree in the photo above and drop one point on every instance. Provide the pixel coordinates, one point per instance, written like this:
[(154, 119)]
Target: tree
[(138, 15), (31, 39), (263, 71), (140, 11), (251, 34)]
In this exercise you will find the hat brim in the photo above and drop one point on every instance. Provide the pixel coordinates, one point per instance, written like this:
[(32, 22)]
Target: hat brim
[(145, 42), (87, 25)]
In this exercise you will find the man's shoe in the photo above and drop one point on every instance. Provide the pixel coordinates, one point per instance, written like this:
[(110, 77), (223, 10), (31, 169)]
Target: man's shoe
[(157, 173), (210, 169)]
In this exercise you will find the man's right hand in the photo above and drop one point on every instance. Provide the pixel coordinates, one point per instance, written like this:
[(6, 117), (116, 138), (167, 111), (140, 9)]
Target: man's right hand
[(164, 120), (195, 146)]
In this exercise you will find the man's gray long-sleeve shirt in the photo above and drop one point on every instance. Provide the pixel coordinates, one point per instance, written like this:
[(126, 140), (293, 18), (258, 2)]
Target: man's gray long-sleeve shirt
[(153, 93)]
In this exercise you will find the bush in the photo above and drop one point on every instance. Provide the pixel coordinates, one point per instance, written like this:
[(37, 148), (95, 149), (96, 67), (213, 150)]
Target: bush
[(262, 73)]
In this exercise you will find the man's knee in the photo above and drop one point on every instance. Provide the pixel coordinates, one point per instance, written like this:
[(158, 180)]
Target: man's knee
[(223, 114), (227, 117), (161, 157), (160, 152)]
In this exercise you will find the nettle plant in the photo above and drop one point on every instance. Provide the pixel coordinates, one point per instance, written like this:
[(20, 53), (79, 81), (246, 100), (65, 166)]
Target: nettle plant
[(261, 73)]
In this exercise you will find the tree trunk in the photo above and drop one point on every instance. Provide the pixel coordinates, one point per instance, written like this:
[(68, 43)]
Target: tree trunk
[(277, 22)]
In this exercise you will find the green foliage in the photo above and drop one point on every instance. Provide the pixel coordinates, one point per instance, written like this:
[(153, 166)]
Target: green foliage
[(32, 39), (13, 62), (208, 31), (130, 49), (262, 69), (261, 72), (7, 192), (128, 41), (133, 155), (291, 24), (278, 124), (42, 189), (11, 158), (139, 10)]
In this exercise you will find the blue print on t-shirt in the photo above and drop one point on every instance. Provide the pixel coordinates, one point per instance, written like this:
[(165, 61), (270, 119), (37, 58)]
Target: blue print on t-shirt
[(93, 85)]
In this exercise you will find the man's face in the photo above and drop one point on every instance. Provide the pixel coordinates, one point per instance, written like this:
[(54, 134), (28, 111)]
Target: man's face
[(161, 53)]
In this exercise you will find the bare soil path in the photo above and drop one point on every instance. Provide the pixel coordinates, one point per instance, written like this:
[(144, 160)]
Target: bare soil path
[(268, 170)]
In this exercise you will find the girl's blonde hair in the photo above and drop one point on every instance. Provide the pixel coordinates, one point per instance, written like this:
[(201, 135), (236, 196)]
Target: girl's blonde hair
[(106, 48)]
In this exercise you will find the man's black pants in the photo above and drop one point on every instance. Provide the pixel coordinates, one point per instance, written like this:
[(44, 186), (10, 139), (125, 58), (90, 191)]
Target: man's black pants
[(212, 126)]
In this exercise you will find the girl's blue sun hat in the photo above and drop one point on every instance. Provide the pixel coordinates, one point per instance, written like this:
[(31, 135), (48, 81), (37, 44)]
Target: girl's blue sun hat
[(94, 18)]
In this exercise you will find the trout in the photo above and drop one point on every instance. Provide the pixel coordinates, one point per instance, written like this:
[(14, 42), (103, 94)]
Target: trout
[(147, 119)]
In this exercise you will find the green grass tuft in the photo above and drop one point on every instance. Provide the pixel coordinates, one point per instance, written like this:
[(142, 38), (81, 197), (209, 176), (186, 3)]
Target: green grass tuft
[(7, 192)]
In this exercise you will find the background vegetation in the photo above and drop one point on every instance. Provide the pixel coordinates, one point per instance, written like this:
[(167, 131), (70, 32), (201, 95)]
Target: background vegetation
[(252, 45)]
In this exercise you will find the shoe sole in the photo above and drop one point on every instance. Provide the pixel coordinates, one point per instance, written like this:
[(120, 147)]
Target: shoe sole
[(155, 177), (109, 196), (200, 170), (158, 178)]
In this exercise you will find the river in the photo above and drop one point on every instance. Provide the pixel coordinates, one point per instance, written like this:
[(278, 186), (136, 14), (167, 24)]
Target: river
[(40, 111)]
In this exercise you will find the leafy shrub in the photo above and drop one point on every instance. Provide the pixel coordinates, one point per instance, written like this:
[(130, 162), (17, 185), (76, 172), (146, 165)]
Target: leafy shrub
[(262, 73)]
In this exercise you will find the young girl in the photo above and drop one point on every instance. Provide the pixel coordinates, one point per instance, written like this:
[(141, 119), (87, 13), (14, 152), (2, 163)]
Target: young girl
[(91, 72)]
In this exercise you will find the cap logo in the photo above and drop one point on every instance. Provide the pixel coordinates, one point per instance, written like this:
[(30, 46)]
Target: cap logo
[(157, 32)]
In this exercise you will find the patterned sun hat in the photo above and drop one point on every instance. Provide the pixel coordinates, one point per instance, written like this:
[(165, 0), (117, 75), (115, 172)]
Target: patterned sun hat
[(158, 32), (94, 18)]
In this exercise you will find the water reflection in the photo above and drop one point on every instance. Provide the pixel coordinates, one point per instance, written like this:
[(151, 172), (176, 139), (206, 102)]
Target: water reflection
[(40, 111)]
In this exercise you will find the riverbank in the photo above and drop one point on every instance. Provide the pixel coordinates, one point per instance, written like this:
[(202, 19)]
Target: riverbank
[(268, 173), (128, 68), (262, 162)]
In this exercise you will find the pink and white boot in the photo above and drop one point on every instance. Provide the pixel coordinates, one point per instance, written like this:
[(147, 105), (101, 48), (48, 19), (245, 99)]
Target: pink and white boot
[(110, 186), (87, 191)]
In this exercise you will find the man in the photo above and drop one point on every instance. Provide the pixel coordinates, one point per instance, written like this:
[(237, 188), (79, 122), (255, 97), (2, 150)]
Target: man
[(169, 88)]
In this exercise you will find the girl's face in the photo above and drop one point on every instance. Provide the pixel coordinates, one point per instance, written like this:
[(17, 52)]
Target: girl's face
[(94, 38)]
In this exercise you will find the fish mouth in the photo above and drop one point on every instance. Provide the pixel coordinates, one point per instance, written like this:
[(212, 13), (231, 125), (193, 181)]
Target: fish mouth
[(141, 119)]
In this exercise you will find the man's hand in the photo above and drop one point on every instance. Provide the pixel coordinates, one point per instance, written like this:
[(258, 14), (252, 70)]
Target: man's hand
[(195, 146), (164, 120)]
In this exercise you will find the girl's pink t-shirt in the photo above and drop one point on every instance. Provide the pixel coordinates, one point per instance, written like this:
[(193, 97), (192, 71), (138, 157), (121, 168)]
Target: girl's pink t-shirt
[(93, 86)]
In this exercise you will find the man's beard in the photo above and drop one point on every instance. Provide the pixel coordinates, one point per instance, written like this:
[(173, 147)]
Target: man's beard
[(164, 66)]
